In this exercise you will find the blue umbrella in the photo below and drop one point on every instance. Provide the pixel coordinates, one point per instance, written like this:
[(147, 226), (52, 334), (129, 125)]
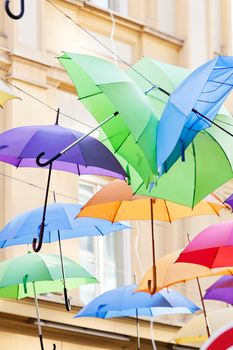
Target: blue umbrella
[(191, 108), (60, 217), (60, 223), (124, 301)]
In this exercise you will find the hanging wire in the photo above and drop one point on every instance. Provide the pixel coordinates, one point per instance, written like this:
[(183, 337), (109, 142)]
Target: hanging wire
[(131, 67), (44, 103), (36, 186)]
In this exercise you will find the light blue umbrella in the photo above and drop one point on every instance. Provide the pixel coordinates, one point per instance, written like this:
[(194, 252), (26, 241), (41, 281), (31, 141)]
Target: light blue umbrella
[(191, 108), (60, 217), (124, 301), (60, 223)]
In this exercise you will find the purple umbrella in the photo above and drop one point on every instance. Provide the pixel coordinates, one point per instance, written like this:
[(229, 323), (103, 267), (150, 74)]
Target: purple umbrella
[(221, 290), (229, 201), (21, 146)]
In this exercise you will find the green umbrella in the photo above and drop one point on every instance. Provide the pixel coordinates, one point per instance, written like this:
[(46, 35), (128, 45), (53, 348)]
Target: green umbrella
[(208, 162), (104, 88), (32, 274), (209, 159)]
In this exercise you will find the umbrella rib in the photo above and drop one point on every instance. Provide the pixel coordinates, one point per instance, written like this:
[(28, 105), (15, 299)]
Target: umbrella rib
[(168, 214), (102, 234), (87, 96), (115, 151), (195, 174)]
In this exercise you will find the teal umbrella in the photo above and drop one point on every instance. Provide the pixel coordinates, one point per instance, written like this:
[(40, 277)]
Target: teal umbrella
[(32, 274)]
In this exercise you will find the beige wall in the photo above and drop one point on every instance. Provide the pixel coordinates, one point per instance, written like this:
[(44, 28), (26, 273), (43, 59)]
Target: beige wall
[(27, 59)]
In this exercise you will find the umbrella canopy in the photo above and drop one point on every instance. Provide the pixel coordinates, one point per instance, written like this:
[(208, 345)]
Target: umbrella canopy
[(212, 247), (33, 274), (6, 93), (189, 182), (117, 202), (221, 290), (194, 180), (229, 201), (20, 147), (168, 273), (124, 301), (36, 268), (104, 88), (59, 217), (205, 90), (194, 331)]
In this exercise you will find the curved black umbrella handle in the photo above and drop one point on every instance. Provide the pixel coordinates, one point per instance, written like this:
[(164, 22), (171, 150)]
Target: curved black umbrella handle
[(10, 14), (67, 300), (151, 284), (51, 160), (42, 345), (47, 162), (151, 287), (36, 247)]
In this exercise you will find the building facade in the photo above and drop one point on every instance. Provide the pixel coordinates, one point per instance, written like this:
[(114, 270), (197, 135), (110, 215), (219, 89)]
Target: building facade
[(181, 32)]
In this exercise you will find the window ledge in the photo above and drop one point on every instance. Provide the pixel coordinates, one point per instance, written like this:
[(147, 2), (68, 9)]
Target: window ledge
[(126, 21)]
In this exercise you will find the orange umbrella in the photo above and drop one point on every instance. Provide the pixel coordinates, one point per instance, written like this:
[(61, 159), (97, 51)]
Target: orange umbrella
[(168, 273), (117, 202)]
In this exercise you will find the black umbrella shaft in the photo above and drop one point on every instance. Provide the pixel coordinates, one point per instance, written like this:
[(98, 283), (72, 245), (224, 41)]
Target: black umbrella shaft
[(58, 155), (41, 234)]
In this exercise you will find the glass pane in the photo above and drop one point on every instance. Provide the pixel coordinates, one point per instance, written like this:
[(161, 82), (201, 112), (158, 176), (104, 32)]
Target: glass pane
[(100, 3), (85, 193)]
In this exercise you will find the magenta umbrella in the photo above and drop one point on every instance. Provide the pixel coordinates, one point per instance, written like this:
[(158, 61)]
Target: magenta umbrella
[(21, 146), (212, 247), (221, 290)]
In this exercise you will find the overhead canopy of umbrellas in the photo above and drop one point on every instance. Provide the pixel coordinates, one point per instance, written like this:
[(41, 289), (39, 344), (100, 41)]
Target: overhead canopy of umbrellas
[(164, 132)]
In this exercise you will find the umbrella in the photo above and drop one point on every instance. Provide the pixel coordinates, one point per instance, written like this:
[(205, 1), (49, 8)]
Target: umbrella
[(205, 90), (20, 147), (212, 247), (208, 165), (60, 224), (194, 331), (229, 201), (32, 274), (124, 302), (116, 201), (95, 93), (169, 273), (222, 338), (6, 93), (221, 290), (194, 180), (104, 88)]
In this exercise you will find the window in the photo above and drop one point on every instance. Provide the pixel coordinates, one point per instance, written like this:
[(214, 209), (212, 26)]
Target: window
[(103, 256), (120, 6)]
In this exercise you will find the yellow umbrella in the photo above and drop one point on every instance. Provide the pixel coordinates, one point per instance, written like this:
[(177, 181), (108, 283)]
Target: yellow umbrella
[(194, 331), (6, 93), (168, 273)]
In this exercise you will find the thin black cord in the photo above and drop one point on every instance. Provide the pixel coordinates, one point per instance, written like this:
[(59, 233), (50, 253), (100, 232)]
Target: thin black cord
[(45, 104), (36, 186), (128, 65)]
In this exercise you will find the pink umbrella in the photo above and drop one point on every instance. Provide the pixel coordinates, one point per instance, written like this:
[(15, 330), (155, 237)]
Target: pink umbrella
[(212, 247)]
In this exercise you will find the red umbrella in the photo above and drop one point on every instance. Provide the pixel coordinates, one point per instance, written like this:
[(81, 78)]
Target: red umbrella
[(212, 247)]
